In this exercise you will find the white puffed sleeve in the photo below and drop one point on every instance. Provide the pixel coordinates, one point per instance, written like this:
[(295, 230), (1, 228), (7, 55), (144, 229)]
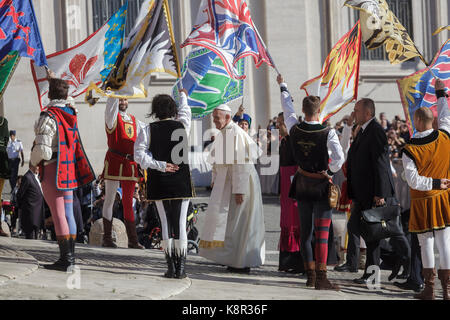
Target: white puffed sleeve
[(45, 142)]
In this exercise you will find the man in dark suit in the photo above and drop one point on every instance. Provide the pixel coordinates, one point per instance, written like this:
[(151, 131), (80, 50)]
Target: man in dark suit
[(370, 181), (31, 203)]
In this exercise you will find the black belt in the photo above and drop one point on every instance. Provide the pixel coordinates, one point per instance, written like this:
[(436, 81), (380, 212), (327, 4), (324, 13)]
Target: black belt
[(123, 155)]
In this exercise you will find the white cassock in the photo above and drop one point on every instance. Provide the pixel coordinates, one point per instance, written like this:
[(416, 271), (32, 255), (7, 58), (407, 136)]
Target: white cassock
[(233, 235)]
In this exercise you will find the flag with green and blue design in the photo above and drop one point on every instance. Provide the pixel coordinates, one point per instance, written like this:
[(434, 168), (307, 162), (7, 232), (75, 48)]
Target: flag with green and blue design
[(89, 61), (208, 83)]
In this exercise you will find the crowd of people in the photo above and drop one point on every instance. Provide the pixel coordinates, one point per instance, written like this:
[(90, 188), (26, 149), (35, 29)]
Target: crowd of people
[(146, 170), (35, 221)]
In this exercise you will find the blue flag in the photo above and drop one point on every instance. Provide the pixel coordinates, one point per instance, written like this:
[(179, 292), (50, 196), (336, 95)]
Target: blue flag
[(19, 31), (417, 90)]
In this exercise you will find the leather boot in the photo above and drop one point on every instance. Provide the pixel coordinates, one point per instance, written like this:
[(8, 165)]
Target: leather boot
[(167, 246), (444, 276), (180, 252), (107, 231), (66, 258), (428, 292), (170, 266), (180, 267), (132, 235), (322, 282), (72, 241), (310, 268)]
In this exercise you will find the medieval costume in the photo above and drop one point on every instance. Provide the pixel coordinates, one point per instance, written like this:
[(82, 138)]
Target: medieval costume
[(63, 167), (426, 160), (233, 234), (4, 165), (289, 245), (313, 145), (120, 170), (170, 190)]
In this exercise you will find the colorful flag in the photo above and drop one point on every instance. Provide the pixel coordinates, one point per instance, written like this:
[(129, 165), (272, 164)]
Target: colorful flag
[(439, 30), (226, 28), (150, 48), (19, 31), (7, 66), (89, 61), (208, 84), (381, 27), (417, 90), (337, 85)]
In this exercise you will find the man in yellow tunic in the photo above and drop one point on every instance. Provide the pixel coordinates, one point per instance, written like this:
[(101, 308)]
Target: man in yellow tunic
[(426, 160)]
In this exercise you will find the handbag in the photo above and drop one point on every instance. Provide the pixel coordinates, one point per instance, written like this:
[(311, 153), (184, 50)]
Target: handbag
[(334, 194), (381, 223)]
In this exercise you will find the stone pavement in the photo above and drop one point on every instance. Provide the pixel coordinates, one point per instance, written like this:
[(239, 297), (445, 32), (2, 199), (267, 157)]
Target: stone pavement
[(113, 274)]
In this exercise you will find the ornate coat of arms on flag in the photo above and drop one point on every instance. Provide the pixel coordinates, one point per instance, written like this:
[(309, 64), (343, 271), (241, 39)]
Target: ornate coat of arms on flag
[(337, 85), (417, 90), (226, 28), (380, 27), (89, 61), (205, 78)]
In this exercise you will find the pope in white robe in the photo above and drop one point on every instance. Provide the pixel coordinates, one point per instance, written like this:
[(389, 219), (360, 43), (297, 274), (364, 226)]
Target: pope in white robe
[(233, 232)]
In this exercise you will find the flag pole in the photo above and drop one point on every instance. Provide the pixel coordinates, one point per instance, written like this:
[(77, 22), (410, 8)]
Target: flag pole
[(172, 37), (265, 47)]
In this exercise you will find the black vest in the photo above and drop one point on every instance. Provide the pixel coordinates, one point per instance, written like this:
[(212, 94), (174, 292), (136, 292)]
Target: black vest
[(169, 185), (309, 145), (286, 155)]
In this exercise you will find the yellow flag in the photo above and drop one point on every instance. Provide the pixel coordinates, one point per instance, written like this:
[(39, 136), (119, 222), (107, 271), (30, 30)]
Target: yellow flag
[(441, 29), (381, 27)]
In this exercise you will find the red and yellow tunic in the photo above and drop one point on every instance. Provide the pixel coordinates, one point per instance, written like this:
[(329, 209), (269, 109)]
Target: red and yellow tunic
[(430, 210), (119, 162)]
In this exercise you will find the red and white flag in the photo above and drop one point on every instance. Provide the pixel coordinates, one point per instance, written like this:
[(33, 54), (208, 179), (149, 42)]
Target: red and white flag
[(89, 61), (226, 28)]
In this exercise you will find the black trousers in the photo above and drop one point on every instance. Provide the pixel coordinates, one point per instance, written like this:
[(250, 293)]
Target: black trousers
[(373, 248), (14, 167), (173, 219)]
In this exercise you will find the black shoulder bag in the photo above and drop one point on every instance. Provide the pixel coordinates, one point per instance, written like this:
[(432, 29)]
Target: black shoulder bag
[(381, 223)]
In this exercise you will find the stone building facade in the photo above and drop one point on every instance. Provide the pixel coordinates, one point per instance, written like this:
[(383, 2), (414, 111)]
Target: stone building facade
[(298, 33)]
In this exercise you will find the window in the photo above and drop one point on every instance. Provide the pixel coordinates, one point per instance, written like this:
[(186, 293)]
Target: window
[(403, 11), (104, 9)]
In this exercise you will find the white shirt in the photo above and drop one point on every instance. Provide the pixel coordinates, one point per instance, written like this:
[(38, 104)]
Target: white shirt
[(415, 181), (345, 139), (112, 111), (142, 155), (334, 146), (14, 148), (36, 176), (365, 125)]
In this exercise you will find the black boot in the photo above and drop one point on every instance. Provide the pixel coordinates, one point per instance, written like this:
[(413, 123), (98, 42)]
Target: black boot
[(180, 272), (72, 242), (66, 258), (170, 266)]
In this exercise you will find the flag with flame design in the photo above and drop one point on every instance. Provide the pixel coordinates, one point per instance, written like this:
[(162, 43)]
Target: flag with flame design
[(337, 85)]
